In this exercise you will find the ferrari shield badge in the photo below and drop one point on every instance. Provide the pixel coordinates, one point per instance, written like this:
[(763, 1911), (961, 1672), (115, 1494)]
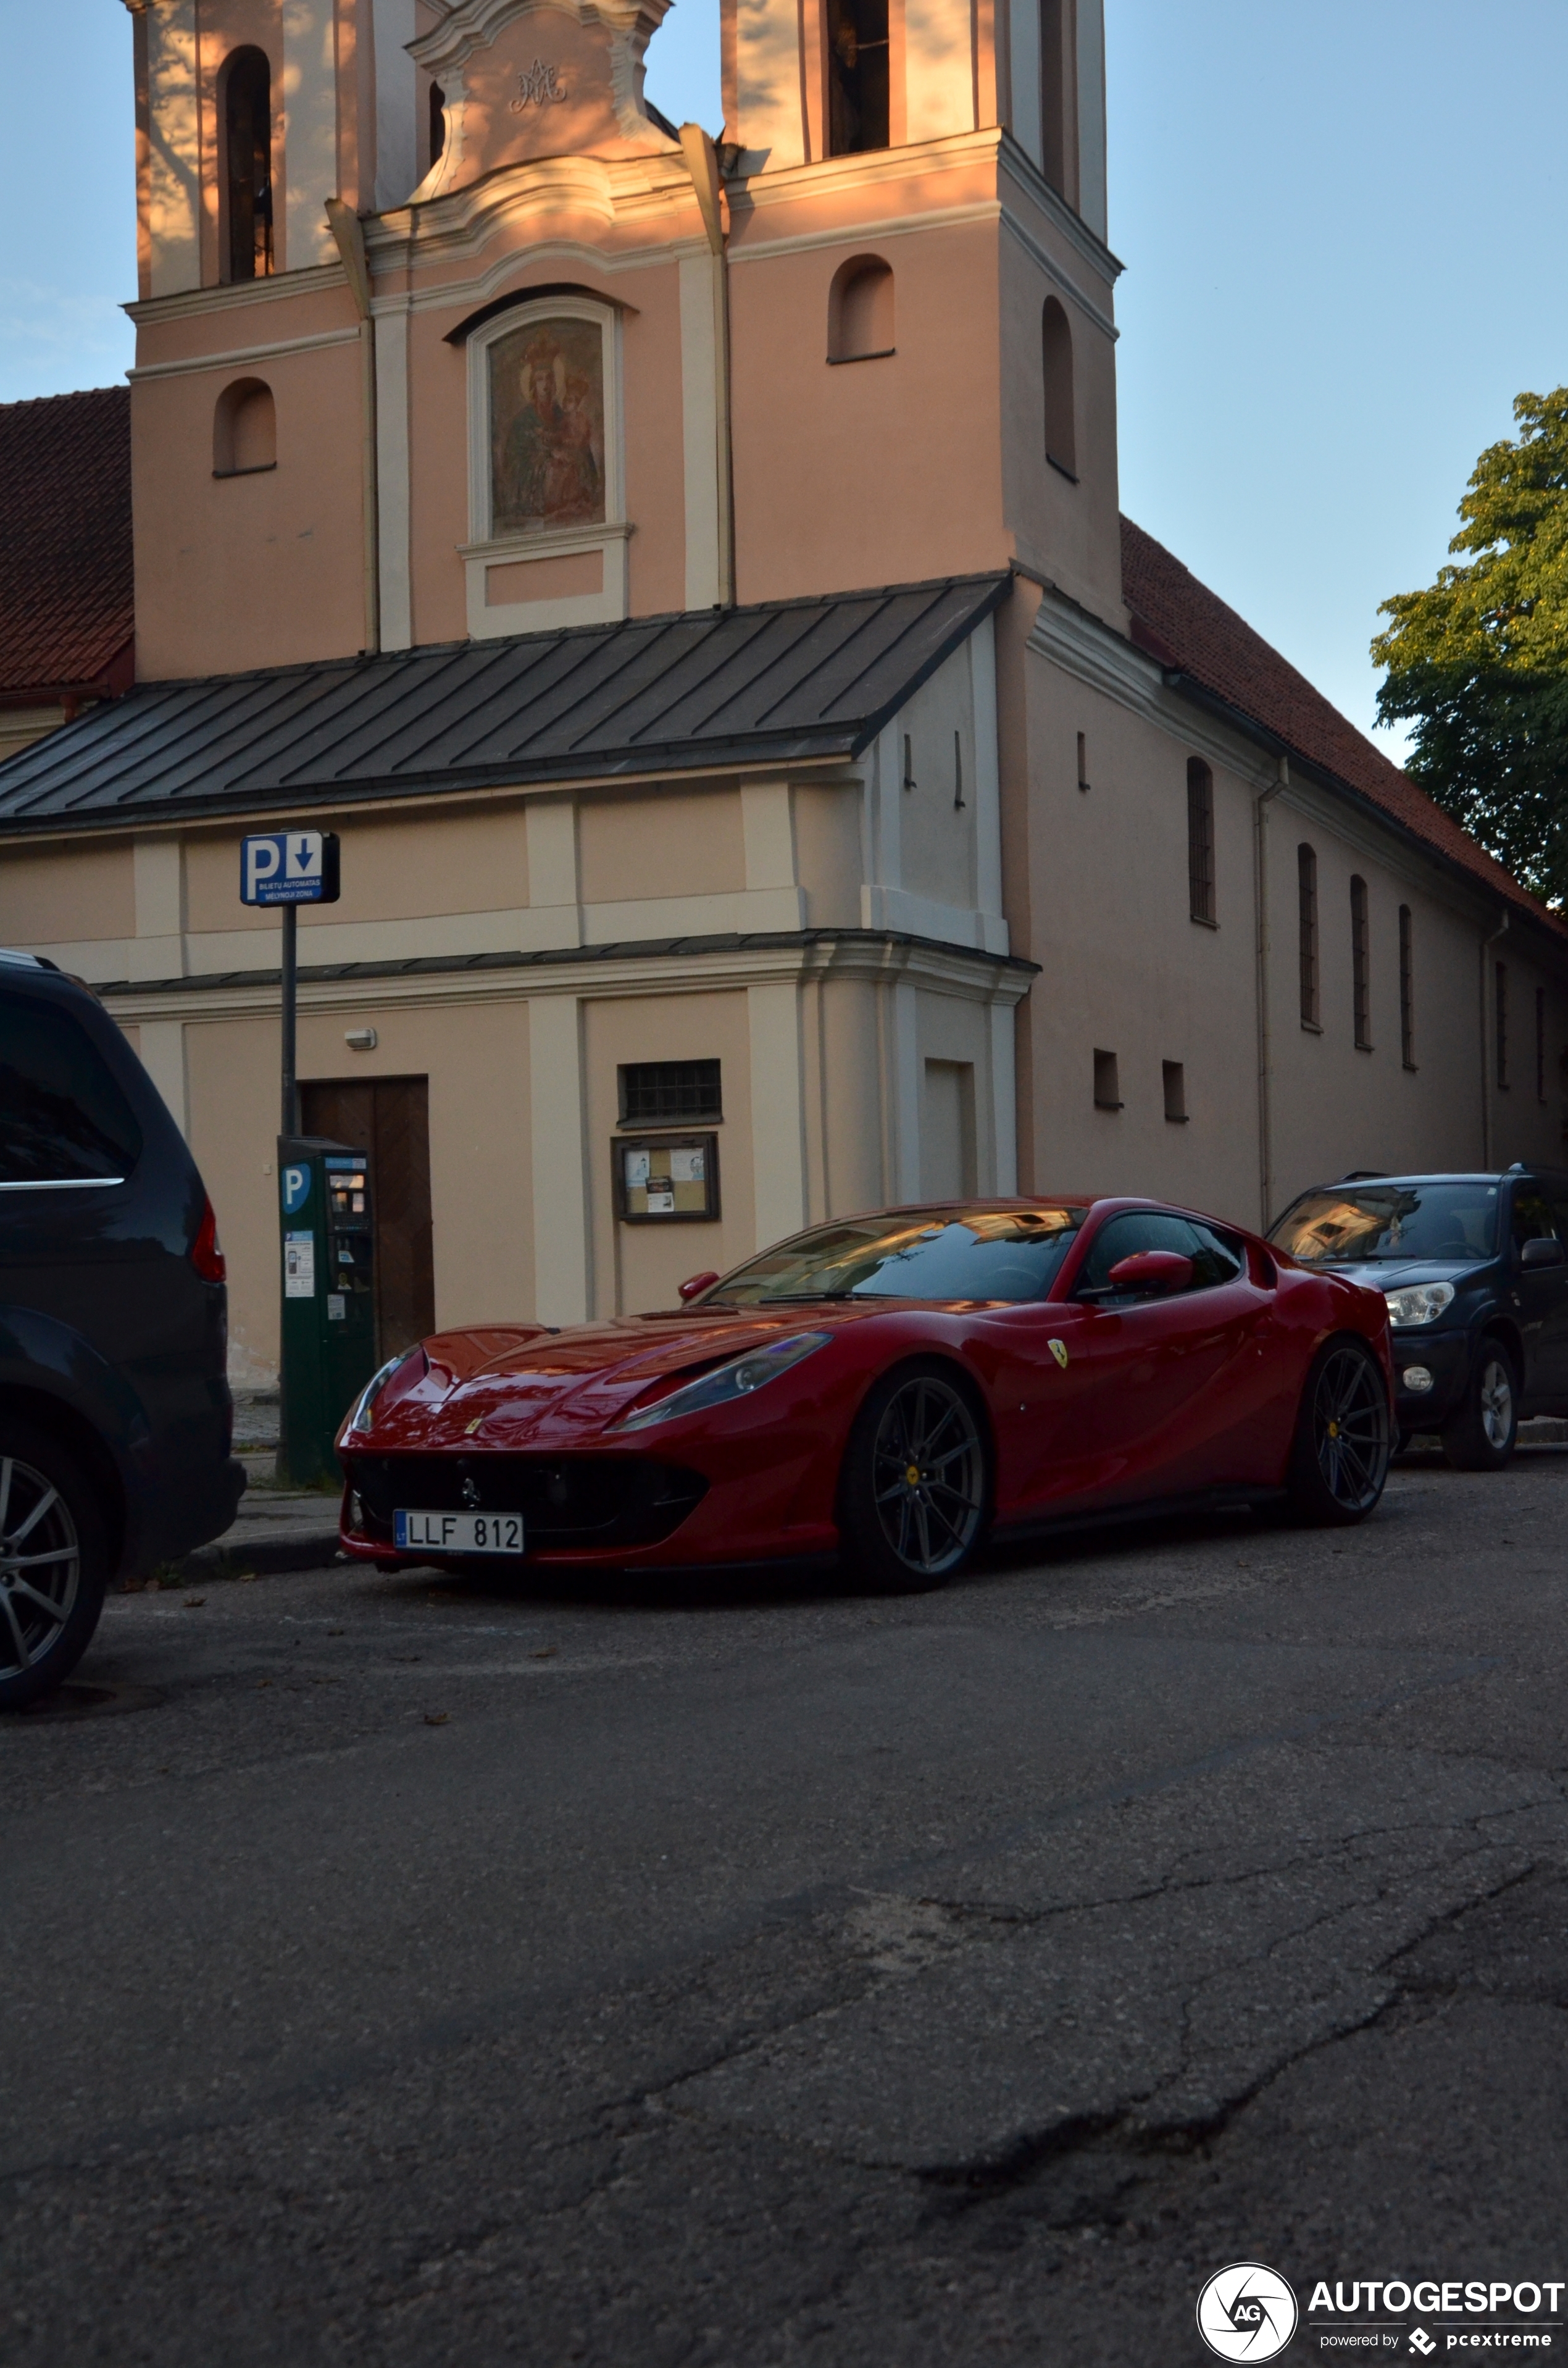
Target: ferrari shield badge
[(1059, 1350)]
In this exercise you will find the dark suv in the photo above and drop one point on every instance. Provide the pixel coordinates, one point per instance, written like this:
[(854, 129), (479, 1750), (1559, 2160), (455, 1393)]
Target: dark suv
[(115, 1415), (1475, 1272)]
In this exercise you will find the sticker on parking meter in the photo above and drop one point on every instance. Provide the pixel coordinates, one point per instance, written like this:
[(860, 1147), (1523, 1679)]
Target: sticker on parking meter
[(298, 1266), (296, 1189)]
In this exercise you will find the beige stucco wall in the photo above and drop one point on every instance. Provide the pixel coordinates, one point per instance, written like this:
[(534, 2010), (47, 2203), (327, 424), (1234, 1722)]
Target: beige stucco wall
[(664, 842), (65, 894)]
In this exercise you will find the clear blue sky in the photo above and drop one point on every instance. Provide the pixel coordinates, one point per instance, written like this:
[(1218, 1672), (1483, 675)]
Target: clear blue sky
[(1343, 222)]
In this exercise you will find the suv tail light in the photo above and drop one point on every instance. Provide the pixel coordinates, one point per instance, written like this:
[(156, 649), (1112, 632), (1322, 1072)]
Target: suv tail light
[(205, 1254)]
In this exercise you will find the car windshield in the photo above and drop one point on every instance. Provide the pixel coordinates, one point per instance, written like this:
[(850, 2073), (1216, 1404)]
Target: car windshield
[(961, 1254), (1347, 1224)]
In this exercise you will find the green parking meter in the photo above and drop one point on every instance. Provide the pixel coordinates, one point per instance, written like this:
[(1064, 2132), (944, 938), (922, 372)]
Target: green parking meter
[(329, 1299)]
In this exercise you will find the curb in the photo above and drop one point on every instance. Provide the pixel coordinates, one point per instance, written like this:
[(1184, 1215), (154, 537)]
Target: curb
[(264, 1555)]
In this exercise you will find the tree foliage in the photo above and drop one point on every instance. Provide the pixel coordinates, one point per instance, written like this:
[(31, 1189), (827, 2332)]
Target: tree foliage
[(1479, 661)]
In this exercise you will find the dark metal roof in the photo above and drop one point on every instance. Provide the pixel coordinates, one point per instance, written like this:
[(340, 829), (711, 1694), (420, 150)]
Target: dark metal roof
[(788, 681)]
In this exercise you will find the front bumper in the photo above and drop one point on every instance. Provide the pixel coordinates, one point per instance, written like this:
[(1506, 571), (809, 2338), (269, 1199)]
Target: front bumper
[(1446, 1356)]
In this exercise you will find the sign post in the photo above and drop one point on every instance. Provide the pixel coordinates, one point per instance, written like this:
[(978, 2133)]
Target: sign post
[(291, 868)]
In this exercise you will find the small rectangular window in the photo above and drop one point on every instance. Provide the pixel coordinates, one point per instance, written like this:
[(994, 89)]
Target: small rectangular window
[(1307, 899), (1500, 1011), (1406, 989), (1540, 1043), (1360, 967), (656, 1093), (1201, 840), (1082, 760), (1173, 1073), (1107, 1085)]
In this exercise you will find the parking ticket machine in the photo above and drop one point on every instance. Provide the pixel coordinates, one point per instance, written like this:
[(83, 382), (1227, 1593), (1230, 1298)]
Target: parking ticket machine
[(329, 1298)]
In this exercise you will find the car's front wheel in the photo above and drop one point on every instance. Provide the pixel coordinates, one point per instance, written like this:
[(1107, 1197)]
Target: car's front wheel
[(916, 1482), (1340, 1457), (53, 1564), (1479, 1435)]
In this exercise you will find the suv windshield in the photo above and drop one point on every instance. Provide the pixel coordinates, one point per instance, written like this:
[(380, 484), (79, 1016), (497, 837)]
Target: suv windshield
[(1346, 1224), (963, 1254)]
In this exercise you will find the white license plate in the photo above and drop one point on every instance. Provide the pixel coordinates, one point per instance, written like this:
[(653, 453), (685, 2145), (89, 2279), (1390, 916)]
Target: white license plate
[(458, 1532)]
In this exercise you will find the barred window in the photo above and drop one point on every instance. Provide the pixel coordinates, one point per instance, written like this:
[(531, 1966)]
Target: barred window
[(1540, 1043), (1201, 839), (1501, 1013), (1360, 967), (658, 1093), (1307, 897)]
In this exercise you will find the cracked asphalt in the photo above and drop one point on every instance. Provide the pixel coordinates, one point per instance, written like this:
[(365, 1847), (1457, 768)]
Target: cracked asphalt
[(401, 1972)]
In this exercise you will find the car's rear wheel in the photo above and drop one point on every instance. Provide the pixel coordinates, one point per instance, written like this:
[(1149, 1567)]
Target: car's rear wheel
[(1479, 1435), (1340, 1457), (53, 1564), (916, 1482)]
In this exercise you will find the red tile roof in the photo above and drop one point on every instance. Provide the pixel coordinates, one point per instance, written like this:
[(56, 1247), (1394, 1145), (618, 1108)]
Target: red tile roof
[(1180, 621), (65, 569)]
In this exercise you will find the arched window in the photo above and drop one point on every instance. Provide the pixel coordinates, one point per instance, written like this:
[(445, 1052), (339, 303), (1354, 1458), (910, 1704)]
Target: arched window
[(1360, 967), (1054, 85), (438, 124), (245, 429), (247, 163), (859, 311), (1061, 435), (857, 76), (1201, 840), (1307, 917)]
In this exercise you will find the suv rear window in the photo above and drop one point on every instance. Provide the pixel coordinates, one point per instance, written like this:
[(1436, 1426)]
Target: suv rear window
[(62, 1118)]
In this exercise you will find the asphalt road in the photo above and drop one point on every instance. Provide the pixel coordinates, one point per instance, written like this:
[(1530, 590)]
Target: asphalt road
[(394, 1971)]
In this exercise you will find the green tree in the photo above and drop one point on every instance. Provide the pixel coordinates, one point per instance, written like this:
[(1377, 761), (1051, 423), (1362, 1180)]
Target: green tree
[(1479, 661)]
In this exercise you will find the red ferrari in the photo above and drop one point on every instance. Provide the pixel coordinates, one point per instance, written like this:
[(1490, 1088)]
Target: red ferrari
[(895, 1388)]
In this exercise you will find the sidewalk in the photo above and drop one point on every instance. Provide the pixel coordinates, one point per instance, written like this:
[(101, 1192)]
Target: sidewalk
[(276, 1529)]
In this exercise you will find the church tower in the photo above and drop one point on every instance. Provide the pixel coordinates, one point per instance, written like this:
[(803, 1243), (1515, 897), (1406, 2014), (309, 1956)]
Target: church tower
[(920, 293)]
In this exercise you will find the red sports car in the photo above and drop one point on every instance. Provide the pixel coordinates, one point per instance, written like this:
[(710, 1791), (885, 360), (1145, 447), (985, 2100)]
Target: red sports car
[(896, 1387)]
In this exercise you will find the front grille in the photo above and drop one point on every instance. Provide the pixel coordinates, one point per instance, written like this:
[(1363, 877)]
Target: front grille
[(576, 1500)]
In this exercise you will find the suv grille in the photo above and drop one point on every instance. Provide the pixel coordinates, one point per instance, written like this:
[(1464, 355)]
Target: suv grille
[(582, 1500)]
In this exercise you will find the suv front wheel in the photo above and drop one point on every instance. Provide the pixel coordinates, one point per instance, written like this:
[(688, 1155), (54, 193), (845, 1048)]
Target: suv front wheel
[(1479, 1435), (53, 1564)]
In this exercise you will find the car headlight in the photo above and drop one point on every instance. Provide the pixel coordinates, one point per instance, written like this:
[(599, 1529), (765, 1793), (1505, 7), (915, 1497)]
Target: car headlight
[(364, 1413), (1418, 1302), (738, 1379)]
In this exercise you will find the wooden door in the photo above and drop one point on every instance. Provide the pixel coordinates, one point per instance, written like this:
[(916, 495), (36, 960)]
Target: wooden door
[(389, 1118)]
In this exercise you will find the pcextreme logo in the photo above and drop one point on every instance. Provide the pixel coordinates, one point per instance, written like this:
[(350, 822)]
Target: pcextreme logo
[(1247, 2312)]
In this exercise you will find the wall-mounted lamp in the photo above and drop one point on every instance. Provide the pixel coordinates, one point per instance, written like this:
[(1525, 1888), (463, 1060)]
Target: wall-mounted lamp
[(361, 1040)]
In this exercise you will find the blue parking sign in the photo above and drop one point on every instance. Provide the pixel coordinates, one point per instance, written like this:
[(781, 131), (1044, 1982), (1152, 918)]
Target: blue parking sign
[(289, 867)]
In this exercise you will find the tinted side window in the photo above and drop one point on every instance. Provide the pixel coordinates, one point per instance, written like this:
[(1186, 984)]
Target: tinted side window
[(1213, 1258), (1532, 1218), (62, 1118)]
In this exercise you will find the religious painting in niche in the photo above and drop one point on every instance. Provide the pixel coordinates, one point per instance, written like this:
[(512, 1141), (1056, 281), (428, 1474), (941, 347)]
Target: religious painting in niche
[(547, 428)]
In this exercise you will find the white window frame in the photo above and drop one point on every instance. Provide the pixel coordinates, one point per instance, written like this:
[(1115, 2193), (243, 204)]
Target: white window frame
[(486, 550)]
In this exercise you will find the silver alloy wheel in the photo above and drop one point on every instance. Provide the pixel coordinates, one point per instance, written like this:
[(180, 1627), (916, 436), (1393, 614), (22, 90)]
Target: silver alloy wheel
[(1350, 1429), (1496, 1395), (40, 1564), (928, 1475)]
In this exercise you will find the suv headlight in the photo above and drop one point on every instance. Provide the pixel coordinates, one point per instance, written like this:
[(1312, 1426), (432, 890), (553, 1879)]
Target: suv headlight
[(738, 1379), (1418, 1302)]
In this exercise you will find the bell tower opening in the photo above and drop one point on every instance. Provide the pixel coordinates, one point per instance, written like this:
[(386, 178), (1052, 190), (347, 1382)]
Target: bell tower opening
[(857, 111), (247, 163)]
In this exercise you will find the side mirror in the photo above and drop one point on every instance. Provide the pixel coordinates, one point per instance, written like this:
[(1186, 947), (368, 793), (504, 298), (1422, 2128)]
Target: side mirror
[(1545, 1250), (1158, 1273), (698, 1284)]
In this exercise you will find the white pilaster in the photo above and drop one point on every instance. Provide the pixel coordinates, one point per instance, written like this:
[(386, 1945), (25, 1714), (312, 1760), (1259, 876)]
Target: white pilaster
[(173, 148), (157, 950), (309, 131), (938, 80), (563, 1245), (778, 1110), (398, 169), (1091, 116), (987, 789), (768, 833), (392, 470), (553, 891), (906, 1083), (1004, 1099), (700, 428), (162, 1048)]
